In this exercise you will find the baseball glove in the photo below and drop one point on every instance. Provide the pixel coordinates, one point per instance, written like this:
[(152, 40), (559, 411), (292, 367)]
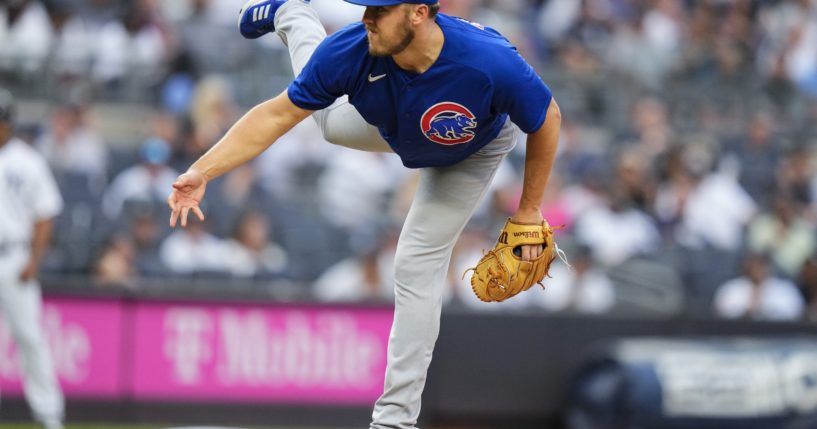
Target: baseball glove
[(502, 274)]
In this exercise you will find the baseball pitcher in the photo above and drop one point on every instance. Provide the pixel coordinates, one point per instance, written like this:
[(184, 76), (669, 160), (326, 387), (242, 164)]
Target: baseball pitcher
[(450, 97)]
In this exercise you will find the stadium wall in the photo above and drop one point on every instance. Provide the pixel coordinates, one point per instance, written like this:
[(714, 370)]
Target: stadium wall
[(135, 358)]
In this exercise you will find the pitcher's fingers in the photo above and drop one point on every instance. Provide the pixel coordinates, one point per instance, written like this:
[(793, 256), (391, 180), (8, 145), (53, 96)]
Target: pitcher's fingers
[(198, 213), (185, 212), (171, 201), (526, 253), (174, 215)]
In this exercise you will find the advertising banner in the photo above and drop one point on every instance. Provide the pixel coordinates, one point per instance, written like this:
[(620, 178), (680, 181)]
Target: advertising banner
[(85, 338), (210, 352), (701, 384), (260, 354)]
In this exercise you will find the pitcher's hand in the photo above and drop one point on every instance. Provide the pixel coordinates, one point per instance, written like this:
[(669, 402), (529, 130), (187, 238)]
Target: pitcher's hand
[(188, 190), (529, 217)]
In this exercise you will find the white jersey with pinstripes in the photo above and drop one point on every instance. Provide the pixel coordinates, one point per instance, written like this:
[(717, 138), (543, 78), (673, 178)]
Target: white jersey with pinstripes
[(28, 192)]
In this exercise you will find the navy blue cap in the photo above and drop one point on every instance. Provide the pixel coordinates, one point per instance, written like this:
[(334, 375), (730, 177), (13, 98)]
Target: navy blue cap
[(389, 2), (6, 106)]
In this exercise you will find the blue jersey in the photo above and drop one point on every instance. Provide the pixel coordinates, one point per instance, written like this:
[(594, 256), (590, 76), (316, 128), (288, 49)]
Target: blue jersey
[(438, 117)]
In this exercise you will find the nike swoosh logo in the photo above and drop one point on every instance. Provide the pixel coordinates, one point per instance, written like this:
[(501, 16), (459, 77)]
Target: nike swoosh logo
[(376, 78)]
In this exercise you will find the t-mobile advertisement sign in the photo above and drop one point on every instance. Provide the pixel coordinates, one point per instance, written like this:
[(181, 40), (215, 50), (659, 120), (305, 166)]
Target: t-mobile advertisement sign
[(264, 354), (85, 339), (187, 352)]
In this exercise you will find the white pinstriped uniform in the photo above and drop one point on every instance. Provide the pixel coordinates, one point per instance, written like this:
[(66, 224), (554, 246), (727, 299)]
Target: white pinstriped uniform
[(28, 193)]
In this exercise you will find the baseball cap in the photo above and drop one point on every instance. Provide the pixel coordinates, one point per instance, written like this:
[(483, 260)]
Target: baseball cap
[(389, 2), (6, 106)]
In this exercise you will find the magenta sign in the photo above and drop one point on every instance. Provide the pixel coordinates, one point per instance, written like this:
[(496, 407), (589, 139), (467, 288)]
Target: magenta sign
[(200, 352), (260, 354), (86, 344)]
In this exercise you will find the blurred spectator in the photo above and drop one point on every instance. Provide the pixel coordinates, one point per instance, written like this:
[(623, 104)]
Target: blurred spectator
[(796, 178), (193, 249), (165, 126), (115, 266), (234, 195), (650, 130), (577, 152), (758, 294), (664, 26), (721, 46), (618, 231), (587, 192), (179, 85), (633, 175), (209, 37), (557, 17), (582, 288), (302, 148), (633, 50), (192, 143), (698, 55), (708, 208), (755, 156), (783, 234), (250, 251), (212, 111), (147, 181), (355, 187), (790, 42), (72, 145), (213, 107), (145, 235), (364, 276), (715, 213), (73, 43), (808, 286), (131, 46), (25, 35), (677, 184)]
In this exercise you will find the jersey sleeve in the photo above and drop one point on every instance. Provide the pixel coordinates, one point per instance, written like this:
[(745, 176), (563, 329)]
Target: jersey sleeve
[(320, 82), (519, 91)]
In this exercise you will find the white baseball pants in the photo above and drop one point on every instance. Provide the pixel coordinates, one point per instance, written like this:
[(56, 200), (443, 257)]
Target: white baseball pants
[(21, 304), (444, 202)]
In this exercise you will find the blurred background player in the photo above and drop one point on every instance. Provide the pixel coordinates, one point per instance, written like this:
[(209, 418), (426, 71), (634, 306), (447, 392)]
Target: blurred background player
[(29, 200)]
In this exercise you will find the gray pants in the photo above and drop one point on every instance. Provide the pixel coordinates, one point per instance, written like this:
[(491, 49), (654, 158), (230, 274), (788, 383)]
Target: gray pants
[(444, 202)]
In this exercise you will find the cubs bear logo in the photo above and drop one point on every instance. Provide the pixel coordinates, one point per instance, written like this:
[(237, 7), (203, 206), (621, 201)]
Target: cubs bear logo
[(448, 124)]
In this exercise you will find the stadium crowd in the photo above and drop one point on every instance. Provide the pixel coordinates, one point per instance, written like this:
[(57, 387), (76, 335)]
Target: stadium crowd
[(685, 180)]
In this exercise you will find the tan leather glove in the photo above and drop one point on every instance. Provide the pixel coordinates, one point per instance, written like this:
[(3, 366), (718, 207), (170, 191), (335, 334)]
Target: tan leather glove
[(501, 274)]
